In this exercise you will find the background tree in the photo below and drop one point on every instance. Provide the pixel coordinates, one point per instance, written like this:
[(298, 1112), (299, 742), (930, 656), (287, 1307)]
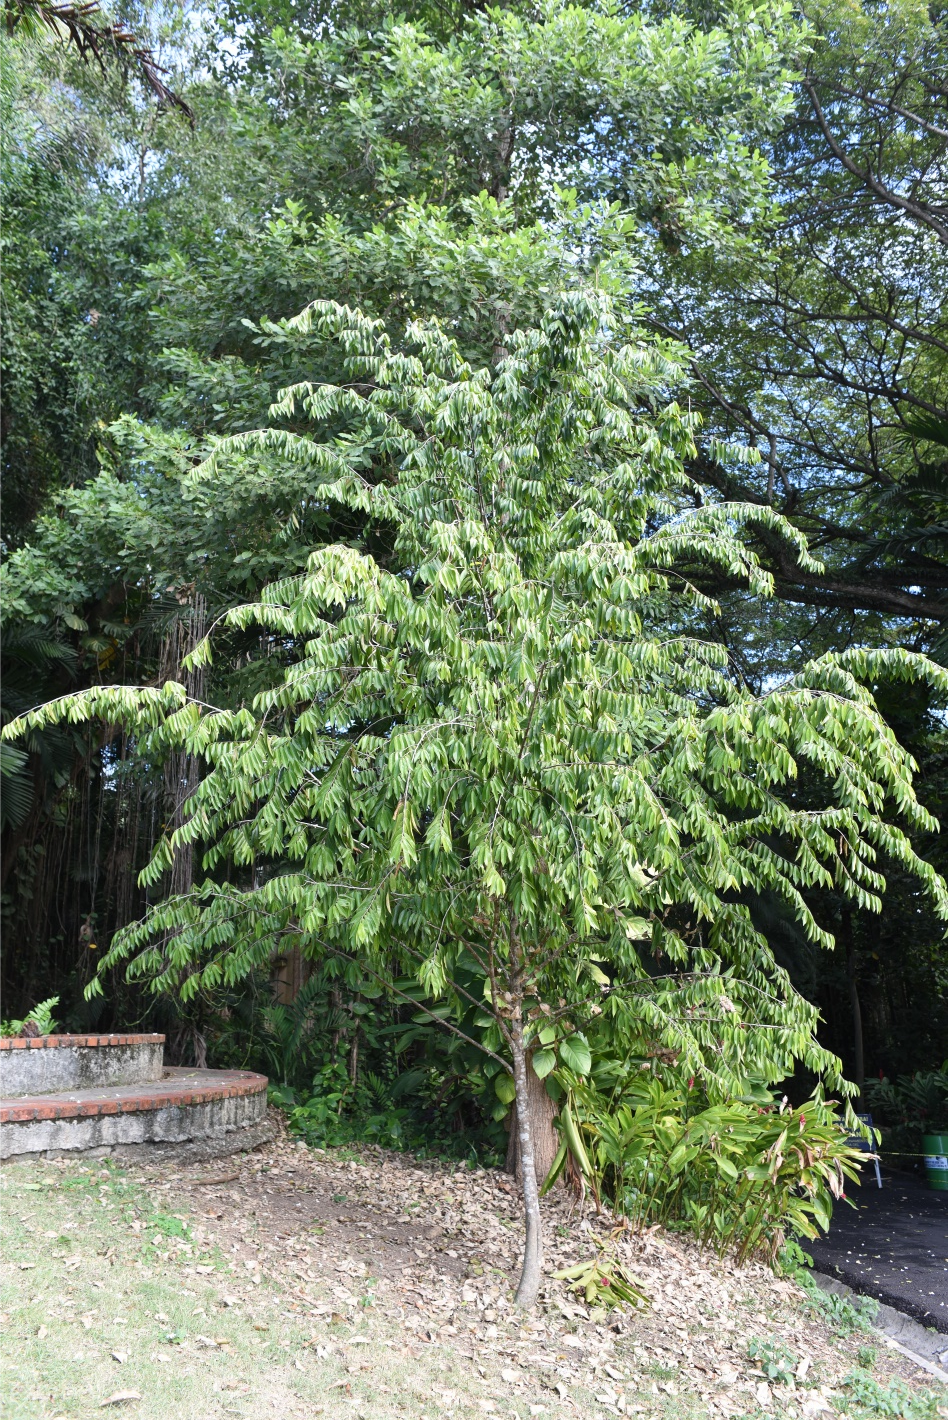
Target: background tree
[(822, 341), (822, 338), (145, 257)]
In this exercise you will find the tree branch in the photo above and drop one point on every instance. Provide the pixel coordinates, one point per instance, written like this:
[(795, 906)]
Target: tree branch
[(88, 32), (893, 199)]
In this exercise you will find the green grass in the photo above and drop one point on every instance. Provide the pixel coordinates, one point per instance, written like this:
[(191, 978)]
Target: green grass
[(96, 1302)]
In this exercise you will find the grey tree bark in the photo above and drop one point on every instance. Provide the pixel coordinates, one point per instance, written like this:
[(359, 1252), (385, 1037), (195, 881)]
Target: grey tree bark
[(529, 1284)]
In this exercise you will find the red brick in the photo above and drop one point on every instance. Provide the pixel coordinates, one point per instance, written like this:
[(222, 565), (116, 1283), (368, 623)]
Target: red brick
[(51, 1042)]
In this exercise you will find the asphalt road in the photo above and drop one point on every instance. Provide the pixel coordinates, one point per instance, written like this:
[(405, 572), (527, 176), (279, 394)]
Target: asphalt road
[(893, 1245)]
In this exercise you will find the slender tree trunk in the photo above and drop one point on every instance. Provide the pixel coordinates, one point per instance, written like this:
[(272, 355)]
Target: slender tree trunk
[(183, 770), (859, 1056), (529, 1284)]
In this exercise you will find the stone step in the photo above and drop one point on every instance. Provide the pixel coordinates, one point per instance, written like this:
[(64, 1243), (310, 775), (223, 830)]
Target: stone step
[(50, 1064), (184, 1106)]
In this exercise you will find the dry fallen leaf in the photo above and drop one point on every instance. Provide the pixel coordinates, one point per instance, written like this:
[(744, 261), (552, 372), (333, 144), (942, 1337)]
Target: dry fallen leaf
[(120, 1356), (120, 1397), (709, 1307)]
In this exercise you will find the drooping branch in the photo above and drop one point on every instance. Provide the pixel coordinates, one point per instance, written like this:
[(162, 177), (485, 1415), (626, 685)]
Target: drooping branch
[(87, 29)]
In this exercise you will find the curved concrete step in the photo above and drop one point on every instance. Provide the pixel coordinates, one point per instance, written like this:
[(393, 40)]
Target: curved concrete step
[(184, 1106), (49, 1064)]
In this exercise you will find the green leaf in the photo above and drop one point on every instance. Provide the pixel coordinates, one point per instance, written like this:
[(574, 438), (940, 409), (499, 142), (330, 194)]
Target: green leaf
[(504, 1088), (575, 1053), (556, 1168)]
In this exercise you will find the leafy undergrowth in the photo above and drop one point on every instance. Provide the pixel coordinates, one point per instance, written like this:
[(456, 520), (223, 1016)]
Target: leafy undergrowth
[(373, 1285), (333, 1115)]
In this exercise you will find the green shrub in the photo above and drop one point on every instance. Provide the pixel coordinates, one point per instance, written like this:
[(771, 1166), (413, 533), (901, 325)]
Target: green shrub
[(740, 1176), (41, 1016), (336, 1112), (348, 1063), (846, 1315), (895, 1401), (776, 1362)]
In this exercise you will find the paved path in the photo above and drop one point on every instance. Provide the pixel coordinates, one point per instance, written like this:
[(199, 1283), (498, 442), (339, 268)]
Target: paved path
[(893, 1245)]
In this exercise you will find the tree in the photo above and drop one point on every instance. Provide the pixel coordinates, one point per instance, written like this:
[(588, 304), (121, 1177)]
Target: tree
[(822, 337), (503, 754)]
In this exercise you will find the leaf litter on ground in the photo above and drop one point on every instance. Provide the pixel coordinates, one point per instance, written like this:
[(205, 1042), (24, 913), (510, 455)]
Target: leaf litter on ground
[(390, 1267)]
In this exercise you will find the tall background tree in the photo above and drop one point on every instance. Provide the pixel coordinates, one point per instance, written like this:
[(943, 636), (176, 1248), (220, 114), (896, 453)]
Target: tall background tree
[(823, 342)]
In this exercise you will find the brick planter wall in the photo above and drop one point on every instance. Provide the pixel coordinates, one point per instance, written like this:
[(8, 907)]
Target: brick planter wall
[(219, 1109)]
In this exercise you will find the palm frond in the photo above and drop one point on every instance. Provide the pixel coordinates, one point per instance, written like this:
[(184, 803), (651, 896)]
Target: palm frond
[(91, 34), (926, 426), (16, 787)]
